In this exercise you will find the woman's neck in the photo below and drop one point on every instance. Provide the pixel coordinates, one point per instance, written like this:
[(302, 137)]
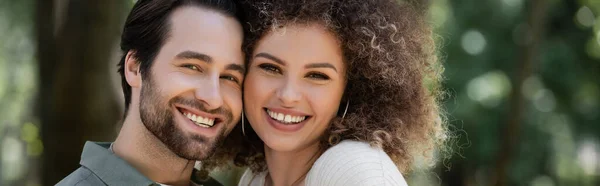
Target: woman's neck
[(290, 168)]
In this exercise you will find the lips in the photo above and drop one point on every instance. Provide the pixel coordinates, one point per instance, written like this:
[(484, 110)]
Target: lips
[(285, 120), (200, 119), (197, 127)]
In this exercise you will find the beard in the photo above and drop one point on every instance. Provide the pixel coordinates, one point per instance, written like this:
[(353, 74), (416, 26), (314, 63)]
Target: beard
[(157, 115)]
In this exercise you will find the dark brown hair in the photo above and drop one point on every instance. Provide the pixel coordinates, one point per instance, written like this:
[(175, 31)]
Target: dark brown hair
[(393, 79)]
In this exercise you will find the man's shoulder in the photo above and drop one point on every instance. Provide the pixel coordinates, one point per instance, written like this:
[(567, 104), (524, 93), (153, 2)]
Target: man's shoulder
[(81, 176)]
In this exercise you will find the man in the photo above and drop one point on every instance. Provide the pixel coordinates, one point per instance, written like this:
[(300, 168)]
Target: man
[(182, 72)]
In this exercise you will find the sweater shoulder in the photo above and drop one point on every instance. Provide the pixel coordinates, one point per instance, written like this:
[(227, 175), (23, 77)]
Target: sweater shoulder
[(354, 163)]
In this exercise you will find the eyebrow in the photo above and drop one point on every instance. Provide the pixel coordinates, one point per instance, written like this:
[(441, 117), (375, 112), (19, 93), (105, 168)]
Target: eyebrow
[(321, 65), (194, 55), (236, 67), (271, 57), (281, 62)]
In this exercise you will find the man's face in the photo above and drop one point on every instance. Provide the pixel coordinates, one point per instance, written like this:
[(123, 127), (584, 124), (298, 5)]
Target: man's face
[(191, 98)]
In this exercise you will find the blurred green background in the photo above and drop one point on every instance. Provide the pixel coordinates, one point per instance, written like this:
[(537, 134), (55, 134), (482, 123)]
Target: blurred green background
[(522, 81)]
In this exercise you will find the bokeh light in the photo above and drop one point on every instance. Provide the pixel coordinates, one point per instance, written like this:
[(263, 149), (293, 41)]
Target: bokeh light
[(473, 42), (489, 88), (12, 158), (542, 180), (544, 100), (585, 17), (512, 7), (588, 156), (531, 86)]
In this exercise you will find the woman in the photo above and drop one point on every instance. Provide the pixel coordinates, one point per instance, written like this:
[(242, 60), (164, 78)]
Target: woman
[(338, 92)]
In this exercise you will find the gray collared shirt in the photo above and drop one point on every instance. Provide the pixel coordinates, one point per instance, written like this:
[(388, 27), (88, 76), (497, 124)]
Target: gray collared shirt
[(99, 166)]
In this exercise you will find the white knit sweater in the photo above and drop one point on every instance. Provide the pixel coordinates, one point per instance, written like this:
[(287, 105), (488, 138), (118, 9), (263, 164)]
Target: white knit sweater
[(345, 164)]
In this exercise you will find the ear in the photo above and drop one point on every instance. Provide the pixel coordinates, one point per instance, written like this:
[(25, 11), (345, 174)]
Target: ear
[(132, 70)]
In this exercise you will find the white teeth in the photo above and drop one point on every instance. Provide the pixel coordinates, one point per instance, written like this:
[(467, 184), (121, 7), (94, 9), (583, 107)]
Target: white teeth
[(272, 114), (285, 118), (199, 120)]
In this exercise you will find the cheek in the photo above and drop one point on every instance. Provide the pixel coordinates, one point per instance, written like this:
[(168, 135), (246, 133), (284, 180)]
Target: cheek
[(257, 89), (176, 83), (325, 101), (233, 98)]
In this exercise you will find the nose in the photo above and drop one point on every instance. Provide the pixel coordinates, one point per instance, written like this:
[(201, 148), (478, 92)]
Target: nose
[(289, 93), (210, 93)]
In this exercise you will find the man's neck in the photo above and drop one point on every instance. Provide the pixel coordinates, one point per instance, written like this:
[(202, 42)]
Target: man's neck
[(290, 168), (146, 153)]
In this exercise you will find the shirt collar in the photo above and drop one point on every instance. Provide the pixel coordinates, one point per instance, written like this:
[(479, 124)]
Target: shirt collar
[(111, 169)]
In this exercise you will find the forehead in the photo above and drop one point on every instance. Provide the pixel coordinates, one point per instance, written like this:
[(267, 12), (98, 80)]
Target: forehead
[(205, 31), (312, 43)]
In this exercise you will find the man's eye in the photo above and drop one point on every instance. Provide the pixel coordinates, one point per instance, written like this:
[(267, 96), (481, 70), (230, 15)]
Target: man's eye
[(270, 68), (231, 78), (318, 76), (191, 67)]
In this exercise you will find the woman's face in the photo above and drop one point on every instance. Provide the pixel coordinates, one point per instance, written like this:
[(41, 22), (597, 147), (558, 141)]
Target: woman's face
[(294, 85)]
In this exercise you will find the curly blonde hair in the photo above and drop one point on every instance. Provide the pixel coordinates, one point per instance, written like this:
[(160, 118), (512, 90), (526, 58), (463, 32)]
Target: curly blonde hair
[(393, 80)]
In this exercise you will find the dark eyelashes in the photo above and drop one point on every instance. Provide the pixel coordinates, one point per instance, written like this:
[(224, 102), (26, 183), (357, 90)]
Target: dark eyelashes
[(273, 69), (270, 68), (231, 78), (227, 77), (191, 67), (318, 76)]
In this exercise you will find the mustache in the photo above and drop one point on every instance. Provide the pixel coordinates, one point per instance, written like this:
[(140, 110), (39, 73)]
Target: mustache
[(194, 103)]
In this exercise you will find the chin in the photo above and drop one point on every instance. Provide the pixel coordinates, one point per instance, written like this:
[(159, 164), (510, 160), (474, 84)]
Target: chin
[(285, 144), (197, 151)]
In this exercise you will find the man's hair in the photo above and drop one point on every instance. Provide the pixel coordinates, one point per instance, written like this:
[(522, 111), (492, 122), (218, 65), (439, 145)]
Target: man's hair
[(148, 26)]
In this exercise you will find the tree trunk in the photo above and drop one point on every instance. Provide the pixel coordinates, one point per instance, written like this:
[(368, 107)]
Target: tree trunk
[(510, 137), (76, 97)]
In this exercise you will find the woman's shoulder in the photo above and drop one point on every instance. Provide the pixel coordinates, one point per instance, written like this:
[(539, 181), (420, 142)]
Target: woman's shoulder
[(354, 163)]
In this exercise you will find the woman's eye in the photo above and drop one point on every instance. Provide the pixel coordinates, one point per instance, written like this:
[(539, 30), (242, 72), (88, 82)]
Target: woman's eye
[(270, 68), (192, 67), (318, 76)]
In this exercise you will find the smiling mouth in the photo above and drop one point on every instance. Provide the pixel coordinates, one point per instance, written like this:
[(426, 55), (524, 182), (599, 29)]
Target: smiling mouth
[(205, 122), (286, 118)]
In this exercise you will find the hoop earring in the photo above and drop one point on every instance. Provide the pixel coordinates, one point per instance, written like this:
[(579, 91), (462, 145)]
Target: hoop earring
[(243, 130), (345, 110)]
